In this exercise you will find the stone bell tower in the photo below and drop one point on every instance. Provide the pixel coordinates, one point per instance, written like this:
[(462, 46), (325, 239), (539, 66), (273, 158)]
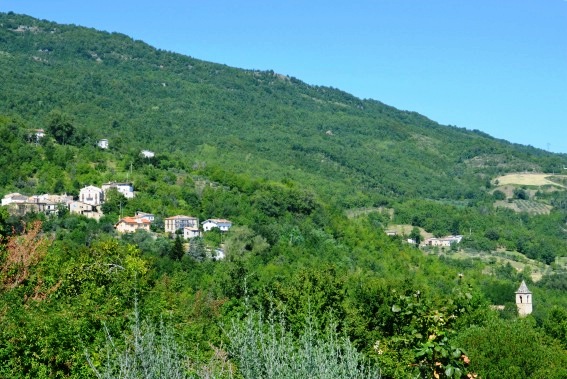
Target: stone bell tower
[(524, 300)]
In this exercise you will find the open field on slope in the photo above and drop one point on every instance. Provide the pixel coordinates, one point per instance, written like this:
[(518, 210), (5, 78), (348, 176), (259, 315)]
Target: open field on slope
[(525, 179), (529, 206), (500, 257)]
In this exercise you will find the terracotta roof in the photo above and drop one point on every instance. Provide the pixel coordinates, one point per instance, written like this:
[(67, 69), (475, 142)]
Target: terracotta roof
[(135, 220)]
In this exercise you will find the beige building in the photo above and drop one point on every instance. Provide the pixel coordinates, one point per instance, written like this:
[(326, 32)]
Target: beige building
[(191, 232), (175, 223), (131, 224), (84, 209)]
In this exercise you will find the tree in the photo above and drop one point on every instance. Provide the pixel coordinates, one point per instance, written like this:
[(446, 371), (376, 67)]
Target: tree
[(177, 250), (415, 235), (60, 127), (114, 202), (197, 249)]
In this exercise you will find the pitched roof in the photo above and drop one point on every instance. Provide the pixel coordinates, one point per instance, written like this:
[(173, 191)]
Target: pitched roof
[(219, 220), (181, 217), (523, 288), (134, 220)]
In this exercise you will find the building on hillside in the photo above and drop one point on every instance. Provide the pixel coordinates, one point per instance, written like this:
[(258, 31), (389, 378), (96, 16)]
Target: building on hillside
[(126, 189), (149, 216), (50, 203), (391, 233), (21, 209), (175, 223), (35, 135), (20, 205), (524, 300), (222, 224), (132, 224), (84, 209), (443, 242), (103, 143), (91, 195), (191, 232), (14, 198), (39, 134), (147, 154)]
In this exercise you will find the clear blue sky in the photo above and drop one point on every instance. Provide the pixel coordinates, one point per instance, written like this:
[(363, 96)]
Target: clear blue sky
[(499, 66)]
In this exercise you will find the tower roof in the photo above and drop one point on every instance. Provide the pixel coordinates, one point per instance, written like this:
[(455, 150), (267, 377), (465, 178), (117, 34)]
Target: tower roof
[(523, 288)]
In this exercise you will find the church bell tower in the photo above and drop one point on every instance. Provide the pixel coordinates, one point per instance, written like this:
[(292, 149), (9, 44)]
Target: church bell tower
[(524, 300)]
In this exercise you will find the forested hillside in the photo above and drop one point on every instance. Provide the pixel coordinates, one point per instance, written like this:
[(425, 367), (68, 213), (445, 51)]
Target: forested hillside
[(311, 178)]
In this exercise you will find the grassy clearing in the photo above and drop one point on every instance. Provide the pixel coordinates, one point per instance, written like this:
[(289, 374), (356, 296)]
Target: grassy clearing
[(529, 206), (528, 180), (502, 257), (405, 229)]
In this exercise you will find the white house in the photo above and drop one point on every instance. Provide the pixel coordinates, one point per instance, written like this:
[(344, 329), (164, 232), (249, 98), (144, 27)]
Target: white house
[(36, 135), (91, 195), (125, 189), (147, 154), (103, 143), (14, 198), (222, 224), (444, 241), (149, 216), (191, 232), (172, 224), (218, 254)]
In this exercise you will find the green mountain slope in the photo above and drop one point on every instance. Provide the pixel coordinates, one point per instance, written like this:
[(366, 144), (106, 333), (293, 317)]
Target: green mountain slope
[(261, 123), (311, 178)]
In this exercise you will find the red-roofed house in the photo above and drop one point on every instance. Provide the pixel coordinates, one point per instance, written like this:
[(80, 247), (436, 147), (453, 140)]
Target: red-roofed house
[(131, 224)]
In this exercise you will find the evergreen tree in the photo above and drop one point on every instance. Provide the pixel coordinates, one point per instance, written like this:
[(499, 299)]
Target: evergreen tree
[(177, 251)]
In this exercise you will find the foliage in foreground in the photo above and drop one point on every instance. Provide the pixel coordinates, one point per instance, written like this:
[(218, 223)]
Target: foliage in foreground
[(267, 349), (260, 348), (509, 350)]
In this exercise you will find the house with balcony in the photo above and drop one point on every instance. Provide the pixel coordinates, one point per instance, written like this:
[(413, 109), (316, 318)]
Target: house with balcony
[(91, 195), (175, 223)]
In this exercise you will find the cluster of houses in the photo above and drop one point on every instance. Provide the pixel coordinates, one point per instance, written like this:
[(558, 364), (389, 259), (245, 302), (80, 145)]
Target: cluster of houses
[(88, 204), (447, 241), (19, 204), (92, 197), (103, 144), (188, 226)]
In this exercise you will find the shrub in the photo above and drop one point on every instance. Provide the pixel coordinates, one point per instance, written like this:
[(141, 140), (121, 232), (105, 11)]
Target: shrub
[(267, 349)]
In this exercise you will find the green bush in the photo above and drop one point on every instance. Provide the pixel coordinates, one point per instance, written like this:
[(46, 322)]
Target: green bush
[(267, 349)]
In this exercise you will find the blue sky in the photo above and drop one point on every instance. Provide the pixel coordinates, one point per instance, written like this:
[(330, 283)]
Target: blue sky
[(497, 66)]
